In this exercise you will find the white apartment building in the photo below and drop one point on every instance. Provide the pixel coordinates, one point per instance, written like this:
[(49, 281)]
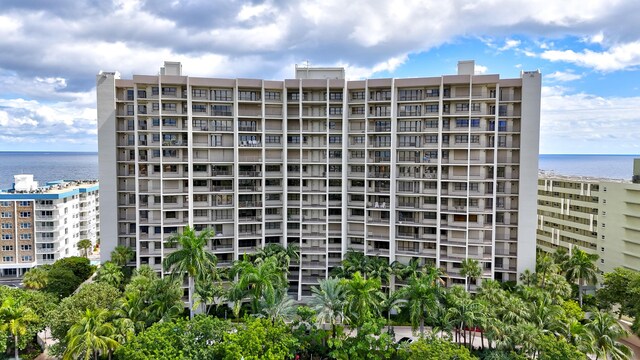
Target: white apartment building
[(437, 168), (39, 225)]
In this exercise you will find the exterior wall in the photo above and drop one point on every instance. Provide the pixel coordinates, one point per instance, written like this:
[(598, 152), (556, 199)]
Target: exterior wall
[(107, 160), (428, 168), (600, 216), (619, 233), (46, 226)]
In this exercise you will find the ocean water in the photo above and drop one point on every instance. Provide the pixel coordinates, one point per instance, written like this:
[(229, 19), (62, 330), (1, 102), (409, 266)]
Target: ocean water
[(606, 166), (49, 166)]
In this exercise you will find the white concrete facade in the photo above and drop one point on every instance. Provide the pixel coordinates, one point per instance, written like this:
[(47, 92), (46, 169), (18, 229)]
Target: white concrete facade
[(429, 168), (43, 224)]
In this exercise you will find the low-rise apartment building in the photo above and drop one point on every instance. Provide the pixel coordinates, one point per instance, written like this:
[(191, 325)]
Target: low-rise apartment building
[(40, 225)]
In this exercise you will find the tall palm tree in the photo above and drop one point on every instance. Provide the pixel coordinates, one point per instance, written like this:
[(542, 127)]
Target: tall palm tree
[(378, 267), (164, 299), (110, 273), (605, 332), (15, 320), (363, 298), (284, 256), (91, 336), (121, 255), (422, 298), (576, 334), (558, 287), (355, 261), (471, 270), (329, 303), (581, 267), (36, 278), (465, 312), (545, 265), (84, 245), (191, 258), (277, 306)]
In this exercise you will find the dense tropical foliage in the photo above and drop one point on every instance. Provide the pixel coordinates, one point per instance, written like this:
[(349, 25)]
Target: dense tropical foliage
[(354, 314)]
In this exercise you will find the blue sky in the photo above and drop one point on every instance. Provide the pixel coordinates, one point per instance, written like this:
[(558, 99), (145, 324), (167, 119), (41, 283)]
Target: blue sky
[(588, 52)]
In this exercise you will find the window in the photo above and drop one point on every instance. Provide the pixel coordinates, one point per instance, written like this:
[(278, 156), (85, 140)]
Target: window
[(335, 139), (7, 258), (248, 95), (6, 215), (409, 95), (25, 225), (25, 214), (461, 139), (335, 154), (26, 258), (475, 107), (199, 108), (169, 91), (295, 96), (475, 123), (155, 90), (169, 107), (462, 107), (25, 236), (357, 110), (26, 247), (272, 139), (5, 203), (294, 139), (272, 95), (335, 96), (334, 110), (23, 203), (7, 247), (431, 108), (221, 110), (222, 95), (432, 92), (462, 123), (199, 93), (357, 95), (169, 122), (7, 236), (409, 110)]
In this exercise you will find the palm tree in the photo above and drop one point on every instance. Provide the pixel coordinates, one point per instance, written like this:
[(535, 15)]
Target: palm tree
[(391, 302), (284, 256), (545, 264), (576, 334), (561, 258), (605, 332), (422, 296), (528, 278), (91, 336), (264, 277), (581, 267), (363, 298), (121, 255), (471, 270), (110, 273), (355, 261), (84, 245), (558, 287), (378, 267), (191, 258), (329, 303), (165, 299), (36, 278), (15, 320), (277, 306)]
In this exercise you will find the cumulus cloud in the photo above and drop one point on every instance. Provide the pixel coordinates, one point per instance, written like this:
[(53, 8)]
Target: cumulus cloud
[(617, 57), (51, 52)]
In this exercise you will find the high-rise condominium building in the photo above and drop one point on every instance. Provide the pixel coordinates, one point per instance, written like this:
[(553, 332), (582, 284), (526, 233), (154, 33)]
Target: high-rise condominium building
[(40, 225), (600, 216), (437, 168)]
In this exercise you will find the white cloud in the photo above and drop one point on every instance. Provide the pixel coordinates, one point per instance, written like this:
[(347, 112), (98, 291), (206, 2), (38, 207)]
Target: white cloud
[(563, 76), (480, 69), (617, 57), (509, 44), (585, 123)]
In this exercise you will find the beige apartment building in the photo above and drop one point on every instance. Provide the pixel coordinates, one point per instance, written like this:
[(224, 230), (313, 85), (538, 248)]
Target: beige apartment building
[(39, 225), (437, 168), (600, 216)]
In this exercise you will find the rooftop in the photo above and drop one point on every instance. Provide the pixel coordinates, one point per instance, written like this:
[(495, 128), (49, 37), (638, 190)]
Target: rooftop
[(24, 185), (550, 175)]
